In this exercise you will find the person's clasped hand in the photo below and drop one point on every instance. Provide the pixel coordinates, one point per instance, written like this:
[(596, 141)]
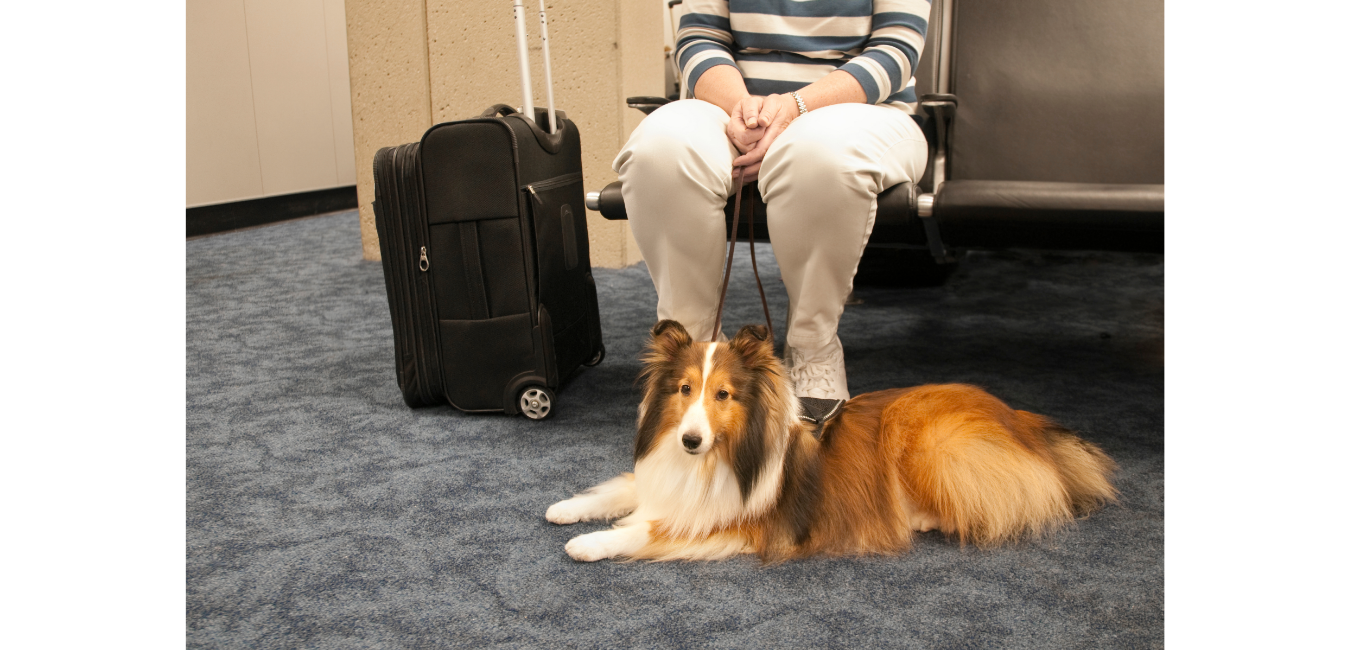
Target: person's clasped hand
[(755, 122)]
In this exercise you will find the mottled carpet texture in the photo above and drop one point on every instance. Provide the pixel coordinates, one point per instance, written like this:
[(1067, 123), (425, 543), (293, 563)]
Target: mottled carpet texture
[(324, 513)]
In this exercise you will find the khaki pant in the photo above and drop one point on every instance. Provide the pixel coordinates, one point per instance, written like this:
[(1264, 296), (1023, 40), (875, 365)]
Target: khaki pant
[(819, 181)]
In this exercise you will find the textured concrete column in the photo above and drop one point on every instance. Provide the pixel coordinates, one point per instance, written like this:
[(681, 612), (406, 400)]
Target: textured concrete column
[(641, 73), (391, 96), (602, 51)]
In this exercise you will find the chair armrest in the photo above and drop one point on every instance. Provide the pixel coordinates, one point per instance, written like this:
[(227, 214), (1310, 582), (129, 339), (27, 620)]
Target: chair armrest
[(647, 104), (1033, 214), (940, 111), (608, 202)]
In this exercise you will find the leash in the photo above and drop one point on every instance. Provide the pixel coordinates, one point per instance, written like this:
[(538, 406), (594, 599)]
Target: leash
[(814, 410), (731, 251)]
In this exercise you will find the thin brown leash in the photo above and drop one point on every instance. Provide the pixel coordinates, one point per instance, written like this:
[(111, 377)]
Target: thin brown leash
[(731, 251)]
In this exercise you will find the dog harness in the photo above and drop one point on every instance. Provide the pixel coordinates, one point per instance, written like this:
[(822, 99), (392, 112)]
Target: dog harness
[(819, 411)]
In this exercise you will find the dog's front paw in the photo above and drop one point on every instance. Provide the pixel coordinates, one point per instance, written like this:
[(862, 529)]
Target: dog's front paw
[(564, 512), (589, 547)]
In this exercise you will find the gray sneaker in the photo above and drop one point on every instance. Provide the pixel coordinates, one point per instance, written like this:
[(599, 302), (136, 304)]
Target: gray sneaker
[(819, 373)]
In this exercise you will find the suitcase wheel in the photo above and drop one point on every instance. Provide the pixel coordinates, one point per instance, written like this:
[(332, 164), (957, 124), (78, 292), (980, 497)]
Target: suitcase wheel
[(599, 356), (536, 402)]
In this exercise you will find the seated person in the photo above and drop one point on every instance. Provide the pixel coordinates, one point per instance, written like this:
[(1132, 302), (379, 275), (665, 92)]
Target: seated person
[(813, 99)]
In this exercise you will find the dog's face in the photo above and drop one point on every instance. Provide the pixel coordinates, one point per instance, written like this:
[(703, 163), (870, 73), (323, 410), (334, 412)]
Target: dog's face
[(708, 398)]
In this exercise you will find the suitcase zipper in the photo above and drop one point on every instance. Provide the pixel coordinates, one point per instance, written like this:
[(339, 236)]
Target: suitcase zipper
[(419, 336), (556, 181), (412, 216), (396, 208), (431, 345)]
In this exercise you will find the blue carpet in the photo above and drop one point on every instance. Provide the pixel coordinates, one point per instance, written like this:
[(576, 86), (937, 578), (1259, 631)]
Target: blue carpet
[(324, 513)]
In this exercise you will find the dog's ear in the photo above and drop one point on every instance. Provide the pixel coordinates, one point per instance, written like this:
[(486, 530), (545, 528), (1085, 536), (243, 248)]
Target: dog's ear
[(669, 336), (752, 341)]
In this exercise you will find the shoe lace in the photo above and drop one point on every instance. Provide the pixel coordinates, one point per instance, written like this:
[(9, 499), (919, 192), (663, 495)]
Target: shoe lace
[(813, 376)]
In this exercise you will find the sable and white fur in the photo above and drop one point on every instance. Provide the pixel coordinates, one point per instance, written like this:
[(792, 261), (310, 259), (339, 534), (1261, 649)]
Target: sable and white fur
[(724, 466)]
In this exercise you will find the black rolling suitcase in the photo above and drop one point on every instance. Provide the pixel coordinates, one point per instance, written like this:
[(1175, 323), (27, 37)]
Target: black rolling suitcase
[(482, 229)]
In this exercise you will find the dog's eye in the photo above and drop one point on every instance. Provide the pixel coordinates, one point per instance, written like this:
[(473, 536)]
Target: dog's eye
[(684, 390), (721, 394)]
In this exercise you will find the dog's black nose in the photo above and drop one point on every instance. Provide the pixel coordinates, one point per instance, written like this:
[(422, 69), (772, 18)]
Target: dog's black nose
[(691, 441)]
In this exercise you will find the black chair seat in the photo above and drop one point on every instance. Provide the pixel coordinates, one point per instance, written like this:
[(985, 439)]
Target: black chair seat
[(996, 214), (895, 213)]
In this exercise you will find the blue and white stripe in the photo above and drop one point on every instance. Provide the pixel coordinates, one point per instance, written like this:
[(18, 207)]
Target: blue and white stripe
[(783, 45)]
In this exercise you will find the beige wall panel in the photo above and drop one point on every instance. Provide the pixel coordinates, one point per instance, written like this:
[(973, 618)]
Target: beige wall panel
[(291, 101), (340, 90), (391, 102), (222, 143)]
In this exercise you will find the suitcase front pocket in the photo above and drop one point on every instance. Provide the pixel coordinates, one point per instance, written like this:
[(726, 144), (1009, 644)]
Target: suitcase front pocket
[(557, 204), (558, 216)]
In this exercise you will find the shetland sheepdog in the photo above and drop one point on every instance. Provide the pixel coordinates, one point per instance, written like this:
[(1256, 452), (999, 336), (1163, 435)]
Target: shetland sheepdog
[(723, 465)]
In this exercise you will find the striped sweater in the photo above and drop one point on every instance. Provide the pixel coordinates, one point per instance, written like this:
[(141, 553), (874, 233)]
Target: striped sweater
[(783, 45)]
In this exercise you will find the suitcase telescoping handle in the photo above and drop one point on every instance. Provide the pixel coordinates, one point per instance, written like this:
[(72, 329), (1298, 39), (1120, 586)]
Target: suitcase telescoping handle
[(518, 8)]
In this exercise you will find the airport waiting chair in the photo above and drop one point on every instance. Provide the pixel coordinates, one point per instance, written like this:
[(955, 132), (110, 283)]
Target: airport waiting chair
[(1045, 127)]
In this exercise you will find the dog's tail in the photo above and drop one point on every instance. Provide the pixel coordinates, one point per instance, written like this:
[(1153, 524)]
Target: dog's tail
[(991, 474), (1083, 467)]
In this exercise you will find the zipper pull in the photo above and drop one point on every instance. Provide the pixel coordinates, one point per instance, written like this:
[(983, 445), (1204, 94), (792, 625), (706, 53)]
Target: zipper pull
[(424, 263), (530, 187)]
